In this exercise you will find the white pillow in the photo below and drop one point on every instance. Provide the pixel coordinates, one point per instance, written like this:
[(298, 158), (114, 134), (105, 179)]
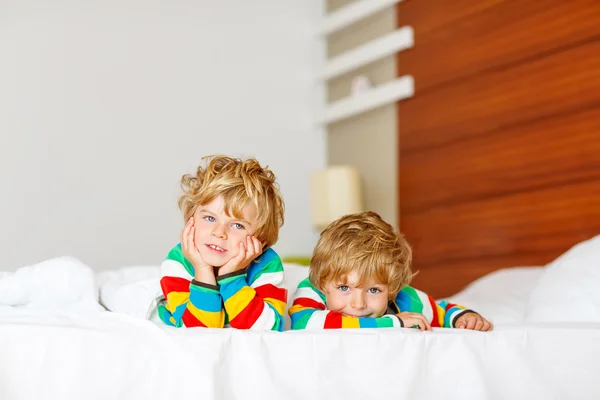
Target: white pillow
[(130, 290), (569, 289), (500, 296), (61, 282)]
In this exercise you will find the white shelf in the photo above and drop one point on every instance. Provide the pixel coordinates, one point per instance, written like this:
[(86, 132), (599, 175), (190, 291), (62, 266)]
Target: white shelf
[(390, 92), (352, 13), (374, 50)]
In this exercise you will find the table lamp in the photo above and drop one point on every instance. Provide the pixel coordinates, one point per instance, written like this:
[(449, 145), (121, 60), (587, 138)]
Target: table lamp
[(334, 192)]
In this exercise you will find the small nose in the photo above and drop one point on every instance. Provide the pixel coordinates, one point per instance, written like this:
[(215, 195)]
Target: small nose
[(219, 232), (357, 301)]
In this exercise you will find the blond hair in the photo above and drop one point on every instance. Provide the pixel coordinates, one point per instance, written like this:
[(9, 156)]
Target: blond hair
[(240, 182), (364, 243)]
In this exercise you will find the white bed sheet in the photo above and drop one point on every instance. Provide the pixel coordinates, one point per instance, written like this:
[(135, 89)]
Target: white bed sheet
[(72, 353), (102, 355)]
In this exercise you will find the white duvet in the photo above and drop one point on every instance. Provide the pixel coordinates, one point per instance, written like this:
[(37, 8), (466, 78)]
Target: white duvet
[(79, 352)]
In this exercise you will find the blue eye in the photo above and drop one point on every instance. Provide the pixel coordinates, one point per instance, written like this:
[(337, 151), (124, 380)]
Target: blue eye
[(238, 226), (374, 290), (344, 288), (210, 218)]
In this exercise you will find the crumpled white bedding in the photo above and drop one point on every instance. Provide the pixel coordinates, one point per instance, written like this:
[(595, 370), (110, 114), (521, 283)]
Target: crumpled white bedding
[(57, 343), (62, 282)]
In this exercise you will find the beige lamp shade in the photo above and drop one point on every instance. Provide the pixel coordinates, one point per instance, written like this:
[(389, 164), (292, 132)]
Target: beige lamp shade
[(334, 192)]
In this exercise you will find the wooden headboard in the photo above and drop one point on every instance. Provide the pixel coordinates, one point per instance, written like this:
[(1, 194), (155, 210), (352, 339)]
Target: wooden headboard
[(499, 150)]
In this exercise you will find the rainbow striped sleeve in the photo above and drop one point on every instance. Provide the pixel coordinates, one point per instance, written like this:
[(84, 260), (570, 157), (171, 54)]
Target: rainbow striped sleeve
[(441, 315), (255, 298), (187, 302), (309, 311)]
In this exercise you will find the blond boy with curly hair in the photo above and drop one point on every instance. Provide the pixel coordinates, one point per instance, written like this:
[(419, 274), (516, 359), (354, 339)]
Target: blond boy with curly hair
[(224, 271), (359, 276)]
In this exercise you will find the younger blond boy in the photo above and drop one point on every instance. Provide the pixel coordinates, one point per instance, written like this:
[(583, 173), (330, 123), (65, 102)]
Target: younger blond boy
[(359, 276), (224, 271)]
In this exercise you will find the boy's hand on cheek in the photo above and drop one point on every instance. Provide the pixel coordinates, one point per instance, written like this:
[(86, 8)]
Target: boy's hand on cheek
[(473, 321), (247, 252), (188, 246)]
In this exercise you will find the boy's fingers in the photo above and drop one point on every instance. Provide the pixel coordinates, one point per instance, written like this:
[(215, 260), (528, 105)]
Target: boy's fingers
[(479, 325), (243, 252), (427, 325), (238, 258), (254, 248), (257, 245), (189, 241), (183, 233), (249, 246), (188, 226), (471, 323), (248, 255), (193, 238), (412, 322)]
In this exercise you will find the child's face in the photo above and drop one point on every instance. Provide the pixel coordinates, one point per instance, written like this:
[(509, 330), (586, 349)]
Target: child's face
[(346, 297), (218, 235)]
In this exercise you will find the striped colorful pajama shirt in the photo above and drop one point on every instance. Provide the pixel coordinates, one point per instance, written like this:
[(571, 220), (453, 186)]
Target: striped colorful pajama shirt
[(309, 310), (254, 298)]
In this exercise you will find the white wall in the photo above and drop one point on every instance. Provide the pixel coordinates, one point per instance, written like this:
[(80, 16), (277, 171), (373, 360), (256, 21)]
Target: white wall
[(104, 105)]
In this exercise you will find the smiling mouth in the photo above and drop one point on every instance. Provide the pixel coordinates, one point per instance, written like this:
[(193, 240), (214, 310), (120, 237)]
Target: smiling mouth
[(356, 316), (216, 248)]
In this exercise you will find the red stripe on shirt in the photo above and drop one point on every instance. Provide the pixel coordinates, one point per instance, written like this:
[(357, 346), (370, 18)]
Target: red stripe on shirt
[(190, 321), (270, 291), (248, 316), (435, 321), (333, 320), (308, 302), (170, 284)]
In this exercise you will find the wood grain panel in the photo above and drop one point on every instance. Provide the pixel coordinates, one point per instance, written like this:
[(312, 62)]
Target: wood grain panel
[(541, 221), (499, 149), (556, 83), (547, 152), (514, 33), (435, 14)]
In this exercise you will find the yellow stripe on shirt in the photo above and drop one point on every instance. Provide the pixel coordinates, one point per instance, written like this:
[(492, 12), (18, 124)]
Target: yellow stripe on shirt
[(350, 322), (175, 299), (277, 304), (236, 303), (208, 318), (441, 313)]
